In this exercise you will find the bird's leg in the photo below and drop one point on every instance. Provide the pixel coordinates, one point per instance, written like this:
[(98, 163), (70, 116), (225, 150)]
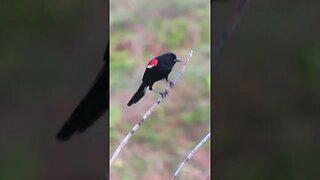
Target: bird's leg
[(162, 94), (171, 84)]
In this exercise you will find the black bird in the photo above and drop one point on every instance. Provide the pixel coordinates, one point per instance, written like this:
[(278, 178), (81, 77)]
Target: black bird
[(157, 69), (92, 106)]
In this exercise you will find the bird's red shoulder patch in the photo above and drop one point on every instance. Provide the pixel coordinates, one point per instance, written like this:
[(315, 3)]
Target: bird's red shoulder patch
[(152, 63)]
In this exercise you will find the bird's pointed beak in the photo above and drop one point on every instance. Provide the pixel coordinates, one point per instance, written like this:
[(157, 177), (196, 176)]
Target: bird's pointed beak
[(177, 60)]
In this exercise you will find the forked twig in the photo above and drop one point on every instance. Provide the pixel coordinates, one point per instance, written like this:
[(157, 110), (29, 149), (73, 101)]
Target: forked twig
[(191, 154), (147, 114)]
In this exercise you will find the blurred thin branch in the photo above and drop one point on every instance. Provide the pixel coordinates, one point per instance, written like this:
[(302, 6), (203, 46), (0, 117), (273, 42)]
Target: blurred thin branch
[(229, 29), (191, 154), (151, 109)]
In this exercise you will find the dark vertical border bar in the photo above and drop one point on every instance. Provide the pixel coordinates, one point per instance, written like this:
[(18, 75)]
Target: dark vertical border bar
[(211, 88), (107, 59)]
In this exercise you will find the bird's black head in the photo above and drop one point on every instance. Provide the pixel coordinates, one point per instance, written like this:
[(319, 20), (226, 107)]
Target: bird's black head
[(168, 58)]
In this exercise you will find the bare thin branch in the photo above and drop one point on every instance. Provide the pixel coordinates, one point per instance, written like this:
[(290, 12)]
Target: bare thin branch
[(191, 154), (229, 29), (151, 109)]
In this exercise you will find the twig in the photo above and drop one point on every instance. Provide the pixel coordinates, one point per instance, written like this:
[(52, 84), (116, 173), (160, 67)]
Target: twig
[(229, 29), (191, 154), (147, 114)]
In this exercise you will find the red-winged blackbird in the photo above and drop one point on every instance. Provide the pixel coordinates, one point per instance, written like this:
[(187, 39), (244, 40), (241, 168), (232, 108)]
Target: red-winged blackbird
[(157, 69), (92, 106)]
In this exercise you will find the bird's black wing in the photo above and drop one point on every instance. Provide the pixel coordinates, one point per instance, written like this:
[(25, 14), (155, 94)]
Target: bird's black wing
[(92, 106), (148, 75), (150, 72)]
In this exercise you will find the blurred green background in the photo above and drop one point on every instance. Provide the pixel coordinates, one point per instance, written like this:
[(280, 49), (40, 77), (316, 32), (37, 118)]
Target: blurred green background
[(139, 31), (266, 107), (50, 53)]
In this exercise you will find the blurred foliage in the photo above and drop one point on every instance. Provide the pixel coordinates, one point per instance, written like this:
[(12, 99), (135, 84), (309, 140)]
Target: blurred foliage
[(140, 31), (198, 115), (175, 35), (120, 62), (20, 157), (115, 115), (310, 63)]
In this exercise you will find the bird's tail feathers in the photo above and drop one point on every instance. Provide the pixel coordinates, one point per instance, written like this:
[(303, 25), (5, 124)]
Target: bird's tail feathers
[(138, 95), (66, 132)]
